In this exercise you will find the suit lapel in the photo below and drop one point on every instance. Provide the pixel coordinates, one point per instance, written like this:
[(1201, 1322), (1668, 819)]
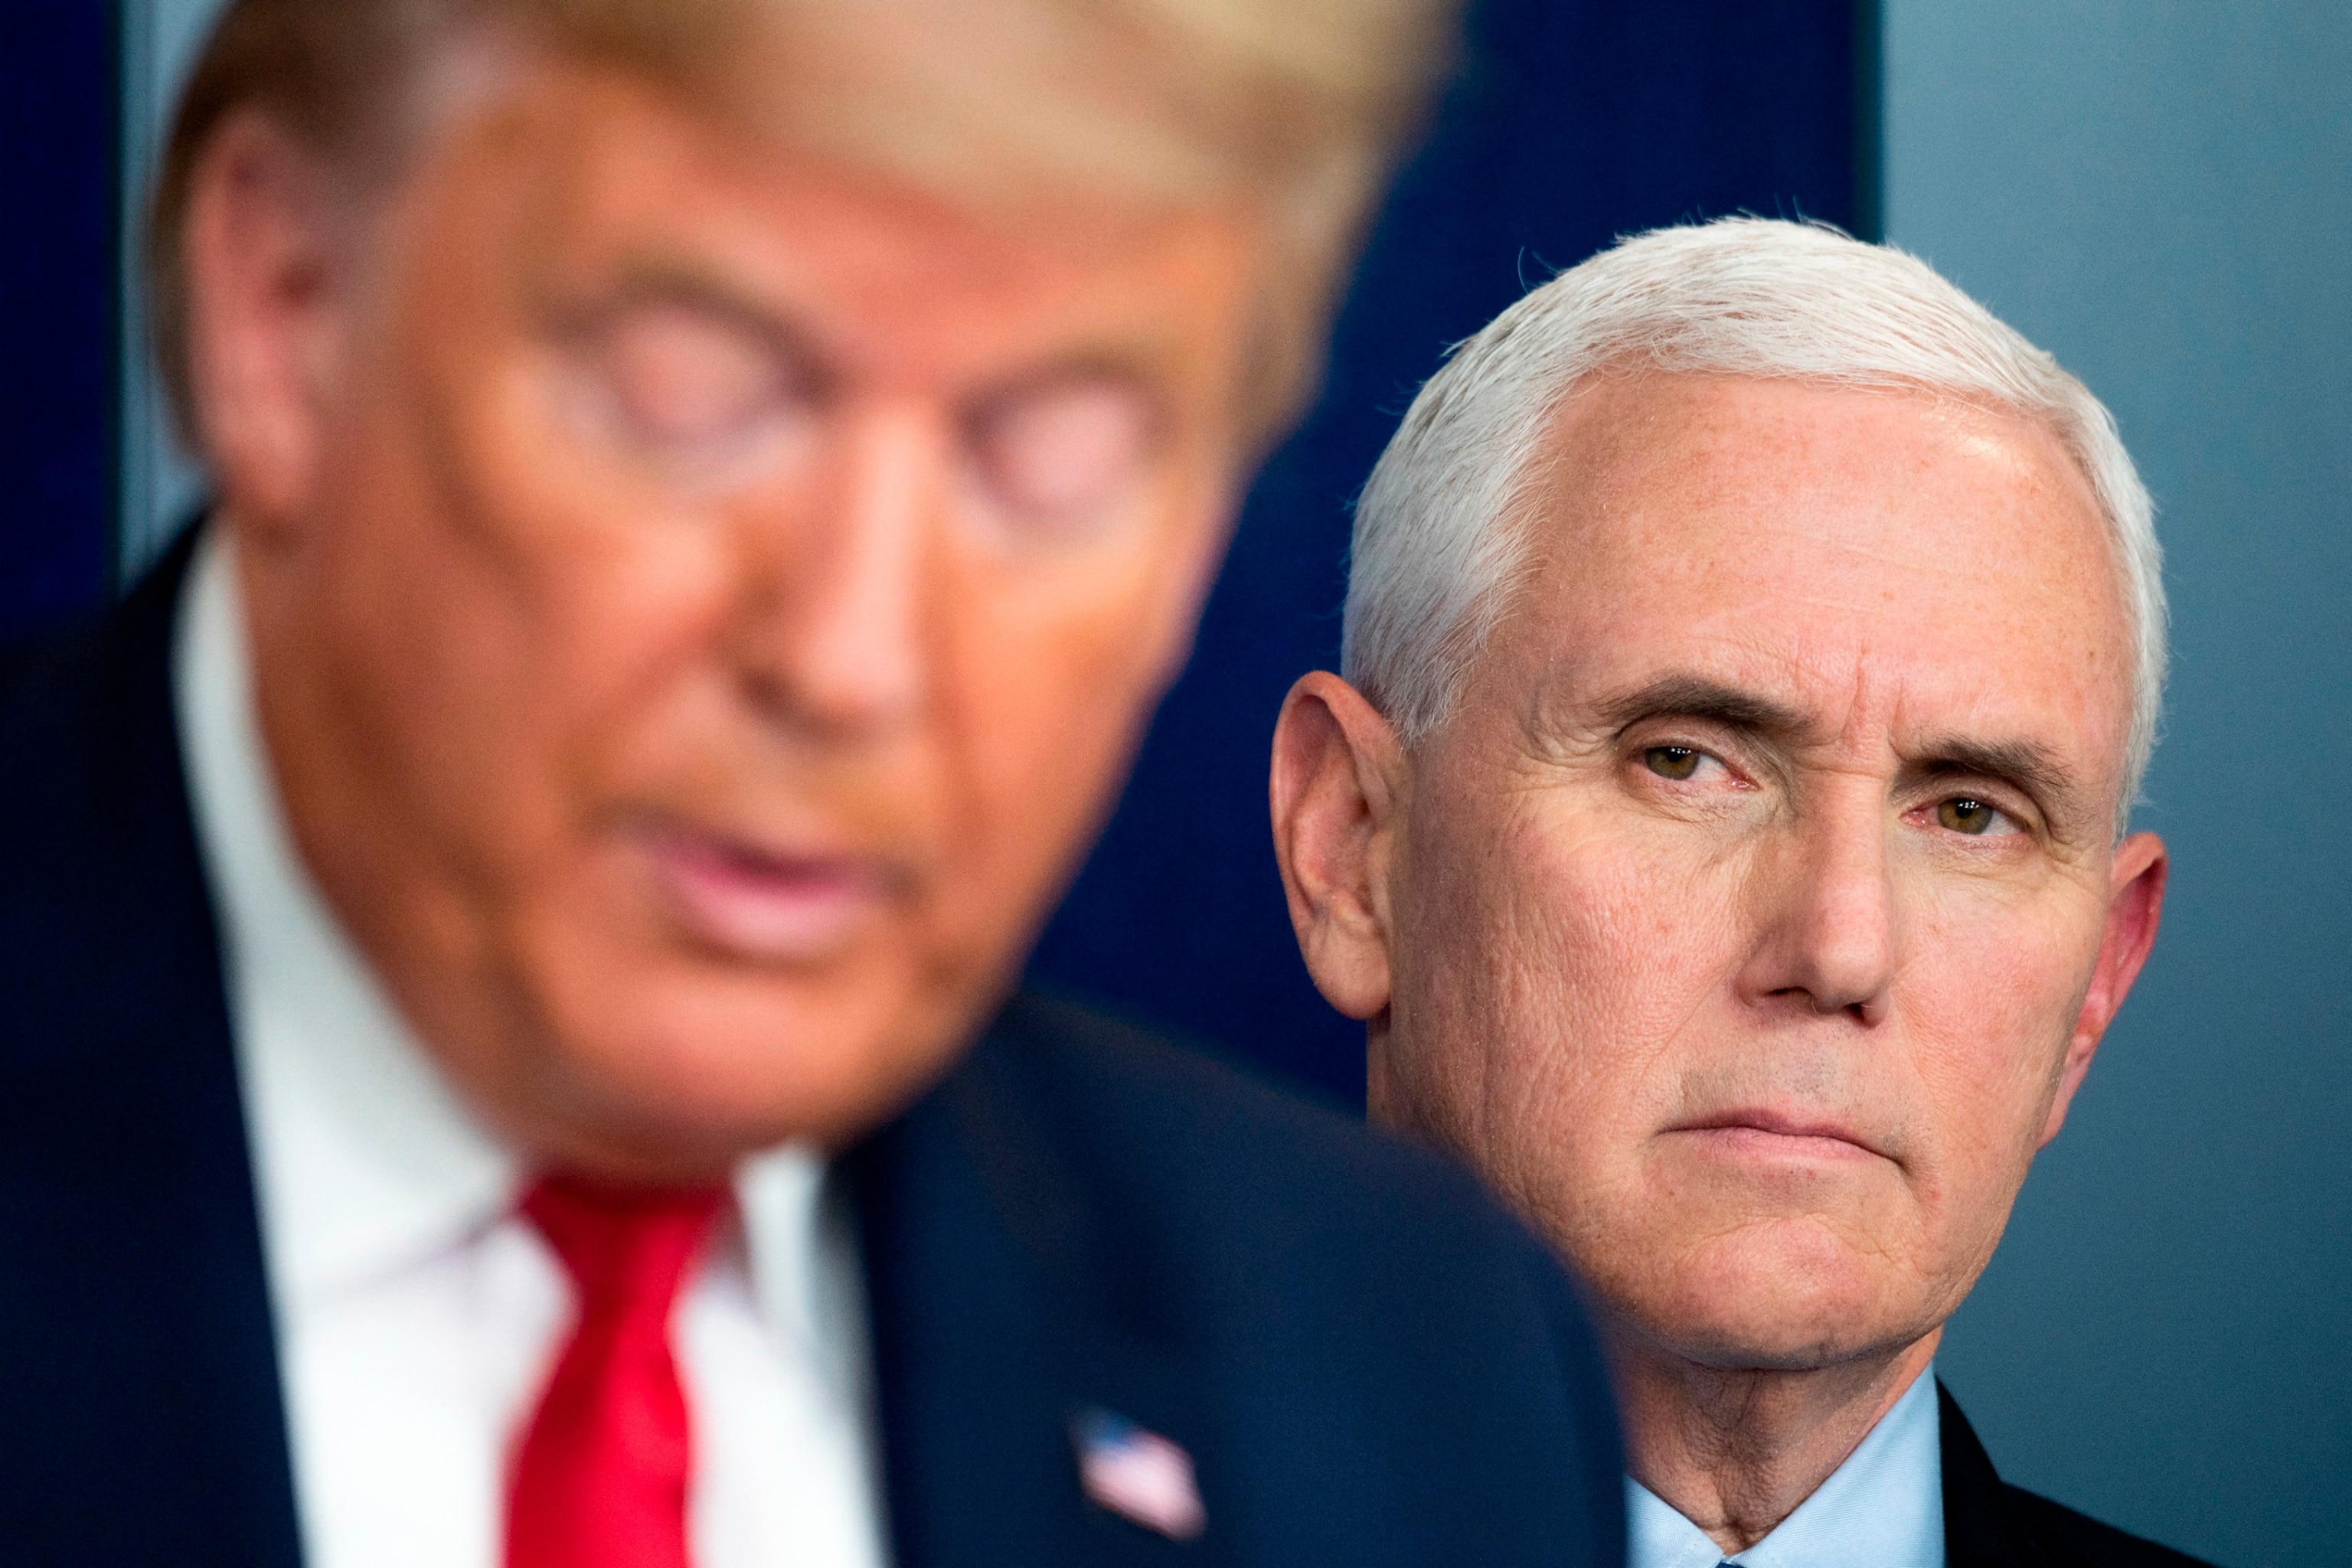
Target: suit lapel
[(1979, 1531), (145, 1417), (1010, 1311), (146, 1421)]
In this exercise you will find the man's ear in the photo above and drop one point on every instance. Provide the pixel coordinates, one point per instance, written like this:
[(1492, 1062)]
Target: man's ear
[(2135, 905), (265, 292), (1336, 789)]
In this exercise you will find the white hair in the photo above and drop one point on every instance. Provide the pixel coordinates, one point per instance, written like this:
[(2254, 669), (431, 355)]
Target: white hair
[(1442, 538)]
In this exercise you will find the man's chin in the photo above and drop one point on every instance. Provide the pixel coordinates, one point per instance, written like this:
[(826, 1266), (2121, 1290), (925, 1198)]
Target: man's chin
[(668, 1109), (685, 1062), (1752, 1346), (1758, 1309)]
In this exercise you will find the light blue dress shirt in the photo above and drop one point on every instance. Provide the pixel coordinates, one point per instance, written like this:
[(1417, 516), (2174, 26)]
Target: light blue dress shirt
[(1883, 1508)]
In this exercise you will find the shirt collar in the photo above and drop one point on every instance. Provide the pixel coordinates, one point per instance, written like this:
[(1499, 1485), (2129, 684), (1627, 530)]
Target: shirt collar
[(1882, 1508), (366, 1161)]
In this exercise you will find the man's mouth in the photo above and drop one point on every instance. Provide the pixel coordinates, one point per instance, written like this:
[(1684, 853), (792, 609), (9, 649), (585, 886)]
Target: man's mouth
[(1772, 1133), (763, 902)]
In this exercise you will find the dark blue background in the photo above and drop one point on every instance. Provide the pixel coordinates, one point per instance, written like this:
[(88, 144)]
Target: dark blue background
[(58, 146), (1572, 122)]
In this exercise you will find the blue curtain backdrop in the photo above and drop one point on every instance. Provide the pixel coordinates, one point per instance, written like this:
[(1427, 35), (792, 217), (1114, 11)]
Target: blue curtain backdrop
[(58, 293), (1573, 122)]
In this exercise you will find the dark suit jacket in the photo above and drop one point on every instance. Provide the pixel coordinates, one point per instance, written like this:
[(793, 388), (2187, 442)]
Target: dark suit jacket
[(1368, 1363), (1989, 1523)]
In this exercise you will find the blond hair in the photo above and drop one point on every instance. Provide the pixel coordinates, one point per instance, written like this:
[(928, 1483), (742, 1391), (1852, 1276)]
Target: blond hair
[(1298, 104)]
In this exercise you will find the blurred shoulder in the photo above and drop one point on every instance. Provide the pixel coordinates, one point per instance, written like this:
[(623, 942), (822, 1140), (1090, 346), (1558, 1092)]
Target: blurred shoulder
[(48, 686), (1192, 1117), (1253, 1204), (1369, 1360), (103, 912), (87, 700)]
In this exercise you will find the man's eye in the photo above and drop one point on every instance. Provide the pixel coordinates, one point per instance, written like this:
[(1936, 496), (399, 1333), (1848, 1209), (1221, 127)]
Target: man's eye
[(1061, 450), (684, 385), (1966, 814), (1676, 762)]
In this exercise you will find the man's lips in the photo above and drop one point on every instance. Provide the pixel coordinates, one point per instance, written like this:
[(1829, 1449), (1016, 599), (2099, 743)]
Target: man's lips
[(763, 902), (1773, 1133)]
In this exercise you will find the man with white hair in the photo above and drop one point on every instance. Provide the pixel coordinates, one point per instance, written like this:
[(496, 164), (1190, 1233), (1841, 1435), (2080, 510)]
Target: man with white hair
[(507, 935), (1752, 652)]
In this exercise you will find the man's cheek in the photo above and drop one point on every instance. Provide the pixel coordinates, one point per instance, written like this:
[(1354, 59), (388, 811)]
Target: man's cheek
[(1991, 993), (1648, 924), (1576, 1001), (1984, 1082)]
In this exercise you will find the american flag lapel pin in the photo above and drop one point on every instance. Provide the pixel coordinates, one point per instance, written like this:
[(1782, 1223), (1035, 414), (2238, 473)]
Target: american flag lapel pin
[(1137, 1474)]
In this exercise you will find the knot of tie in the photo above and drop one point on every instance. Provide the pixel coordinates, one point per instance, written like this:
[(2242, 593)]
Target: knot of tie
[(626, 1248), (600, 1476)]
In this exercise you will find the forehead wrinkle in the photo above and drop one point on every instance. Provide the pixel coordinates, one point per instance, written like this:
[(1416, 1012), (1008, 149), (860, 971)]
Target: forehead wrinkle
[(1610, 494), (1797, 698), (2001, 748), (2035, 751)]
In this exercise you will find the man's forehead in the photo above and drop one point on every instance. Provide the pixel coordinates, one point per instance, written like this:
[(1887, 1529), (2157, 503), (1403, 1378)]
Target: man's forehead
[(631, 192), (617, 138), (1823, 546), (1661, 451)]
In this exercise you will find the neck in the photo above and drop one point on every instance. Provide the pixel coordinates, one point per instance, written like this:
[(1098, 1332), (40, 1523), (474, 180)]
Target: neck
[(1736, 1450)]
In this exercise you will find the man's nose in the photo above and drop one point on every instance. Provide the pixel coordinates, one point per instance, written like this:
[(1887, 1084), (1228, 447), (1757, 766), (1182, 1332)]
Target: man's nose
[(833, 637), (1826, 935)]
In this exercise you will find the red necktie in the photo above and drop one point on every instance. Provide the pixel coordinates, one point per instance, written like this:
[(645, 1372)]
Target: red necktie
[(600, 1479)]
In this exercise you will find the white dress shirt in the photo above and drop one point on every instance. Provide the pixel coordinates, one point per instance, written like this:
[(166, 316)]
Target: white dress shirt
[(1883, 1508), (417, 1314)]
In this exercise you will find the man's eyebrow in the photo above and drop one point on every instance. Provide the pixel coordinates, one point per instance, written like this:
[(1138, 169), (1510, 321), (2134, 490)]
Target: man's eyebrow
[(663, 280), (2030, 766), (2026, 765), (1697, 697)]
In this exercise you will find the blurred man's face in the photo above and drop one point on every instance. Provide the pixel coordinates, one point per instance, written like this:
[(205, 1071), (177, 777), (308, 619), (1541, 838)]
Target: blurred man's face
[(1746, 921), (719, 600)]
